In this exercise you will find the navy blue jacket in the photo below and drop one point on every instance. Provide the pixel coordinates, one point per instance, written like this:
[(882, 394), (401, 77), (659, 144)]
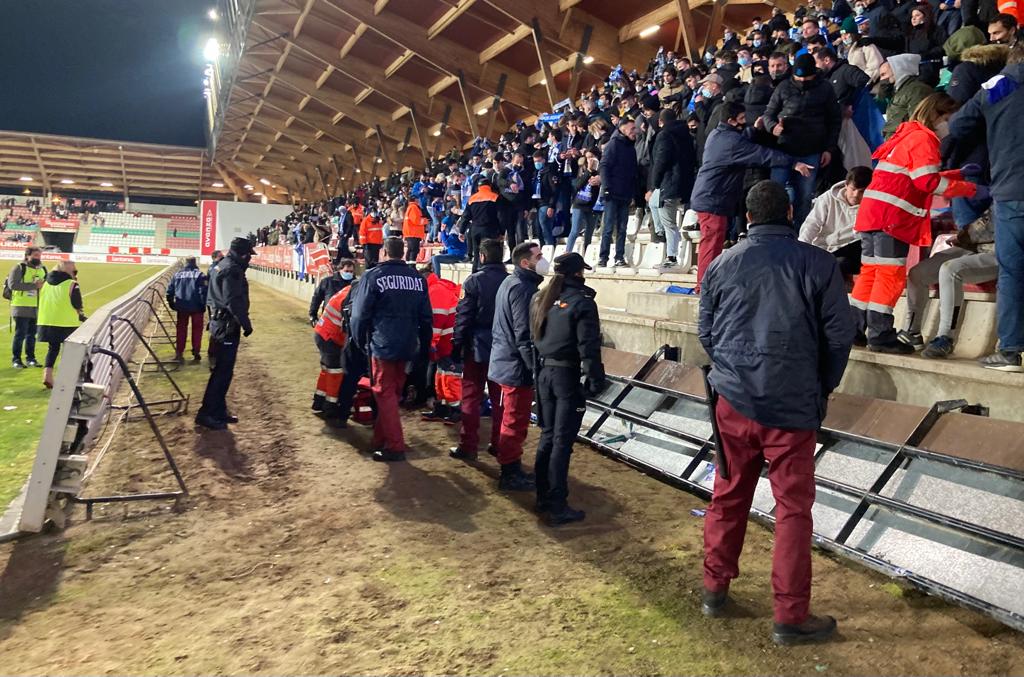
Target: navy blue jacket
[(999, 111), (727, 155), (619, 168), (391, 315), (776, 322), (186, 292), (511, 348), (474, 316)]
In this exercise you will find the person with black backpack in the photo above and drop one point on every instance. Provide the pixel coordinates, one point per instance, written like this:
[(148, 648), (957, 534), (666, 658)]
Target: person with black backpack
[(21, 288)]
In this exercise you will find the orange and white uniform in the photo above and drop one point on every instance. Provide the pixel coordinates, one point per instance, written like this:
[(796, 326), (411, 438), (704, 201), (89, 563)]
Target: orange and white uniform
[(444, 297), (331, 332)]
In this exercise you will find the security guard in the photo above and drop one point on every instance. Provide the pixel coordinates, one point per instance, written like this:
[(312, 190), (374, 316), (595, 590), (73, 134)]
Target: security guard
[(24, 283), (330, 337), (480, 221), (567, 335), (228, 300), (341, 277), (392, 323)]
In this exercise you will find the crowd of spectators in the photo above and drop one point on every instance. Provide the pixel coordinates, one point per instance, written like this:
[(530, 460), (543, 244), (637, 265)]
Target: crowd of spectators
[(864, 110)]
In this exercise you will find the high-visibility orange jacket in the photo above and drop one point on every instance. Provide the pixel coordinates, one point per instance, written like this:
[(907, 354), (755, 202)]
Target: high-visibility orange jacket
[(899, 198), (329, 326), (444, 297), (415, 223), (357, 213), (371, 231)]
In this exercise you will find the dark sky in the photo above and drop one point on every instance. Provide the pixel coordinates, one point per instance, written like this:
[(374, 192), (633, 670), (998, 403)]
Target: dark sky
[(129, 70)]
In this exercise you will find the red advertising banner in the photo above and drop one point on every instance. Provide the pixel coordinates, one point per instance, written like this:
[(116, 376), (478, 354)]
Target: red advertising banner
[(59, 225), (278, 257), (316, 258), (208, 227)]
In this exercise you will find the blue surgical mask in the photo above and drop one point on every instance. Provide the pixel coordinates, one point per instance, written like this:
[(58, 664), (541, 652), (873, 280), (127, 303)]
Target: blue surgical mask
[(348, 276), (538, 165), (744, 61), (706, 93), (757, 43)]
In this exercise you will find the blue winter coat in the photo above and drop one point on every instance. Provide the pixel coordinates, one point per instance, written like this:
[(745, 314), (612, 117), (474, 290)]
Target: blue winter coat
[(998, 108), (452, 244), (511, 347), (391, 315), (727, 155), (619, 168), (776, 322), (186, 291), (474, 316)]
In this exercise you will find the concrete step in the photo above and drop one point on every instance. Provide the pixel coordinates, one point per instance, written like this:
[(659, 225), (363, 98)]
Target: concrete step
[(663, 306)]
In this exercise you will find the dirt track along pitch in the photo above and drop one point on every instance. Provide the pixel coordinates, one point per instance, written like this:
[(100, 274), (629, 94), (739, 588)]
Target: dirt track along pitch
[(297, 554)]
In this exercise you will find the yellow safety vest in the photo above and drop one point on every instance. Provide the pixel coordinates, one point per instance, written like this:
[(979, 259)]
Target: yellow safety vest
[(28, 299), (55, 309)]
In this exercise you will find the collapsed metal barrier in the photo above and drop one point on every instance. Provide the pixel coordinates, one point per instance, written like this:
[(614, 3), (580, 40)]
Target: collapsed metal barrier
[(933, 496)]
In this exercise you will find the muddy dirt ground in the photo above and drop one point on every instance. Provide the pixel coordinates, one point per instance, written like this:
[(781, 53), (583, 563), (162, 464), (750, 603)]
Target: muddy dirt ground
[(297, 554)]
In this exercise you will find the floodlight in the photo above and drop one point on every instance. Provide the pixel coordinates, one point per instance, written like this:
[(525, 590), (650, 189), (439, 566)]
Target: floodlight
[(107, 184), (25, 178), (212, 50), (649, 31), (213, 14), (588, 59), (218, 184), (67, 181), (265, 182)]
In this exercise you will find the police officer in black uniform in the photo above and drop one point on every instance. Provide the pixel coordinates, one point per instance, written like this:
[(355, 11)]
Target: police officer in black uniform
[(566, 334), (228, 300)]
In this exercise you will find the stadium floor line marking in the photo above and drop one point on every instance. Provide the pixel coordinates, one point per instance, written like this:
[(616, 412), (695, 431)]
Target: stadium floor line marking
[(8, 326)]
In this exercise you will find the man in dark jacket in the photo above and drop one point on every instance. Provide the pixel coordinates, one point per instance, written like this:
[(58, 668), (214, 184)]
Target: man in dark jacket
[(719, 184), (776, 323), (999, 107), (341, 277), (228, 299), (512, 361), (618, 176), (186, 295), (511, 182), (471, 343), (479, 220), (847, 80), (804, 115), (673, 167), (392, 323), (544, 192)]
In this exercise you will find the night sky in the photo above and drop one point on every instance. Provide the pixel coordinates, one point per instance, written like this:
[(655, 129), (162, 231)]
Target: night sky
[(109, 69)]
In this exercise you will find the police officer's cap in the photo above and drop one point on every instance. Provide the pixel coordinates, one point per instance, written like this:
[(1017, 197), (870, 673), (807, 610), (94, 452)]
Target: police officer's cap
[(570, 264), (241, 246)]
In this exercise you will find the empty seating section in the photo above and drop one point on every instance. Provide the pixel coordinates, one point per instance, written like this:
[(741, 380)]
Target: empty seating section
[(182, 232), (123, 230)]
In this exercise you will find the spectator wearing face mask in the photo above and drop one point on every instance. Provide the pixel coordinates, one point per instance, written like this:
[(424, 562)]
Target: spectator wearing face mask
[(859, 53), (745, 61), (24, 282), (901, 70), (341, 276)]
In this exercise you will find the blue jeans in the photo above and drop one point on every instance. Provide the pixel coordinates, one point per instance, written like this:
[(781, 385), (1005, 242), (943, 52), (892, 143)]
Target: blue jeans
[(24, 335), (967, 210), (801, 189), (616, 214), (545, 223), (435, 226), (581, 218), (438, 259), (1009, 216)]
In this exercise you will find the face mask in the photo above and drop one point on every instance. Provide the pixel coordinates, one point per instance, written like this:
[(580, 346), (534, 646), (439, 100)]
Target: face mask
[(942, 129), (542, 267), (744, 61), (348, 276), (538, 165), (860, 10), (706, 93), (847, 40), (757, 43), (34, 263), (792, 61)]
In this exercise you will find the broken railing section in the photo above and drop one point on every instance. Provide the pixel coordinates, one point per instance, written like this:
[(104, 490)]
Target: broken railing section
[(933, 495)]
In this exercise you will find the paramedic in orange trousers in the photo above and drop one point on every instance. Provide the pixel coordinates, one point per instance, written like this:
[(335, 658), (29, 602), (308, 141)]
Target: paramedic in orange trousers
[(392, 323), (777, 325)]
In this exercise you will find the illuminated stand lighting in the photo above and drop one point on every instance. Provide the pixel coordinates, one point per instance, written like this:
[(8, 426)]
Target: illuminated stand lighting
[(649, 31), (213, 14)]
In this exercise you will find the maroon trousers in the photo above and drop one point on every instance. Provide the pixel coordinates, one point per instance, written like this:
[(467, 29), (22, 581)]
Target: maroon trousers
[(388, 378), (516, 402), (474, 379), (197, 331), (713, 229), (790, 456)]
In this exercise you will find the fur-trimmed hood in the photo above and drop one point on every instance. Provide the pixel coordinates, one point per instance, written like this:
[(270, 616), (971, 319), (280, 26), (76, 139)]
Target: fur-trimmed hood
[(991, 57)]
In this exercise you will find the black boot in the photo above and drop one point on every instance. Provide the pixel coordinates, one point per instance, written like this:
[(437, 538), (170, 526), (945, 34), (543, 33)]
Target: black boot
[(513, 478), (558, 516), (814, 629), (454, 416), (458, 453), (713, 602), (438, 413), (388, 456)]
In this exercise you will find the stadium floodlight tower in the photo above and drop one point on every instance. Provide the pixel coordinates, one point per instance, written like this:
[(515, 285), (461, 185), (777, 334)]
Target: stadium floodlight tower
[(222, 52)]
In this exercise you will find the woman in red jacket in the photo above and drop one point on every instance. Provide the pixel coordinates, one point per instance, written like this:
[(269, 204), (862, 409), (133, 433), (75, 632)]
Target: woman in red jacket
[(895, 214)]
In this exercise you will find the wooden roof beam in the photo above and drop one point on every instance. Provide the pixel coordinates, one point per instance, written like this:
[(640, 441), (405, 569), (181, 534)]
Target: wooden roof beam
[(656, 17), (229, 182), (448, 18)]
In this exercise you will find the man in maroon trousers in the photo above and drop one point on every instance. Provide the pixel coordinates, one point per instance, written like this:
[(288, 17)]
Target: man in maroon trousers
[(776, 322)]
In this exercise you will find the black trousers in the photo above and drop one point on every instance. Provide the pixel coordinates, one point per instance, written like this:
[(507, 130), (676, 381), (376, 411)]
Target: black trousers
[(474, 240), (356, 367), (508, 218), (412, 248), (371, 252), (848, 258), (24, 335), (215, 403), (562, 403)]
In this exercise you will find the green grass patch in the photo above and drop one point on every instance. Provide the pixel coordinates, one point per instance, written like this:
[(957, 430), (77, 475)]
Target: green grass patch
[(22, 388)]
